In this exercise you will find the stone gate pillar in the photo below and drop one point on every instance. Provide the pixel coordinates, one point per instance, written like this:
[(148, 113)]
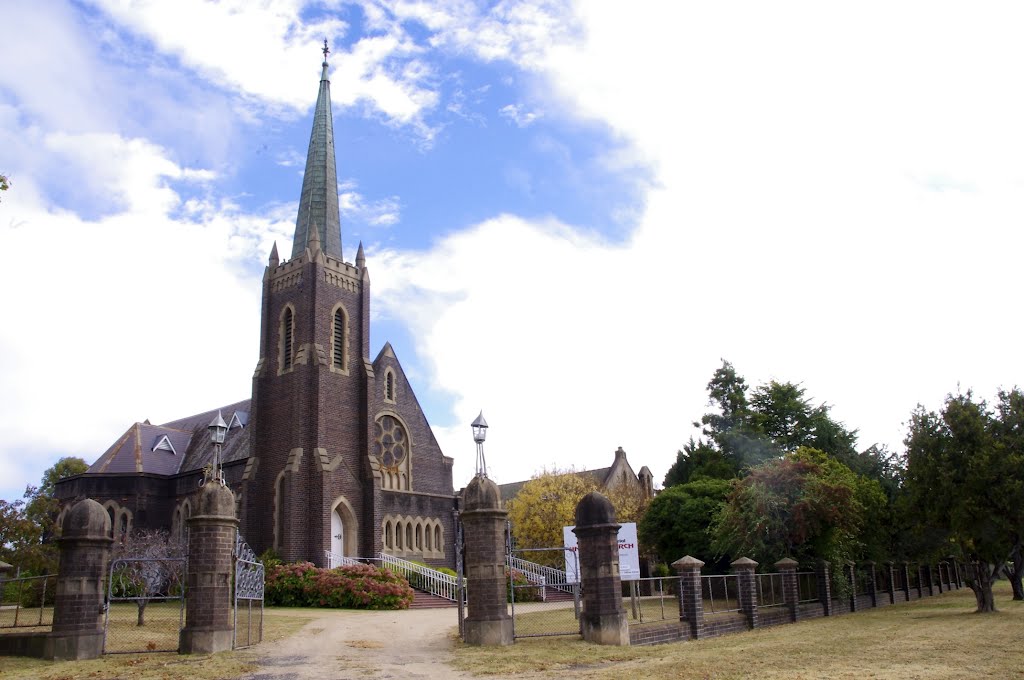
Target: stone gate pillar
[(85, 540), (851, 575), (603, 618), (483, 521), (891, 567), (872, 582), (211, 543)]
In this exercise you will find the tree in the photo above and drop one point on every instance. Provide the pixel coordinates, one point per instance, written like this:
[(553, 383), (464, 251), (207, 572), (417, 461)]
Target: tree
[(42, 507), (150, 567), (803, 505), (679, 519), (19, 538), (965, 476), (544, 505), (699, 460), (5, 183)]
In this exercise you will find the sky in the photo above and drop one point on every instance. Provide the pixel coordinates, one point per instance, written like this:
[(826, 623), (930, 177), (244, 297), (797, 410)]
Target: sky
[(572, 212)]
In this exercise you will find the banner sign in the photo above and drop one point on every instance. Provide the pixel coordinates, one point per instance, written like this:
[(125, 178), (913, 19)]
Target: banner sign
[(629, 553)]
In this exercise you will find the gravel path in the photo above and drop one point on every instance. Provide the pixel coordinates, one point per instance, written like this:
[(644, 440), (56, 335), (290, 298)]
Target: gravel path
[(367, 645)]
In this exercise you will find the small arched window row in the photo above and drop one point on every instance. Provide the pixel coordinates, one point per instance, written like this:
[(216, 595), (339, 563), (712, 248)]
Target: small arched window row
[(121, 520), (413, 536), (179, 523)]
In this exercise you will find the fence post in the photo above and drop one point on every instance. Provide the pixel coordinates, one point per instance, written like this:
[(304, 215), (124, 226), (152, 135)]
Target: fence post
[(851, 574), (824, 574), (483, 522), (77, 631), (920, 581), (906, 581), (872, 583), (603, 619), (891, 566), (691, 595), (938, 571), (790, 587), (209, 626), (747, 588)]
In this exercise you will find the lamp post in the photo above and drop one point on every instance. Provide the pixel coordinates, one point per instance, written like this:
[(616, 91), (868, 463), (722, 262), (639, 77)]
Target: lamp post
[(218, 430), (479, 435)]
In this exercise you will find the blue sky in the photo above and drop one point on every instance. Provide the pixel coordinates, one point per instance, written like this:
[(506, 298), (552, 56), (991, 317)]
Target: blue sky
[(571, 212)]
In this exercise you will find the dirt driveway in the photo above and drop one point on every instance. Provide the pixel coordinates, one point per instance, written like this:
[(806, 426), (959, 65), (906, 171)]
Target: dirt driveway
[(366, 645)]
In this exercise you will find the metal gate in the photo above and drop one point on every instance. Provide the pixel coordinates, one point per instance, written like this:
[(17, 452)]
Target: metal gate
[(145, 607), (249, 582), (544, 599)]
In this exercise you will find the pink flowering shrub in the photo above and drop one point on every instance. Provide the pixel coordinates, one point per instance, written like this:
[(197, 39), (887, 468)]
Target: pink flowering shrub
[(302, 584)]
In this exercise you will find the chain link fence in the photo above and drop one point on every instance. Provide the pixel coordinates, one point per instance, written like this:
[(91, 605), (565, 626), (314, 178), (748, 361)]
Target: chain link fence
[(145, 605), (540, 608)]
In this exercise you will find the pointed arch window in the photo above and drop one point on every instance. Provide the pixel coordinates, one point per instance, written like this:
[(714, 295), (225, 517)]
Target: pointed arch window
[(389, 385), (286, 344), (339, 339)]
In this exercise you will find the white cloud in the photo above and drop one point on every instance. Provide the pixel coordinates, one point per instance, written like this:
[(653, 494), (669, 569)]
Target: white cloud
[(787, 229), (518, 116), (356, 209)]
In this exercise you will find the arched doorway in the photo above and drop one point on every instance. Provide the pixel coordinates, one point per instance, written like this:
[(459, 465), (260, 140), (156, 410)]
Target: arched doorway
[(344, 531), (337, 533)]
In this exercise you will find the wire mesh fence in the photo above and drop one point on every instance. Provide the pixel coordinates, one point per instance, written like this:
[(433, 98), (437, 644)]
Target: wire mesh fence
[(653, 599), (537, 609), (807, 586), (720, 593), (145, 605), (27, 601), (769, 590)]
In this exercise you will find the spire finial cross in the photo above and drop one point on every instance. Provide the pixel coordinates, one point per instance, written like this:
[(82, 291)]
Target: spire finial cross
[(326, 50)]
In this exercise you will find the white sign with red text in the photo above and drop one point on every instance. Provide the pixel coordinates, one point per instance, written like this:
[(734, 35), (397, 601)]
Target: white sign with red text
[(629, 553)]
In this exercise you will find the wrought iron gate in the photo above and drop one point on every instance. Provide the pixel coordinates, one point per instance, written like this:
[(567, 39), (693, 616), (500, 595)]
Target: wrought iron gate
[(249, 583), (145, 606)]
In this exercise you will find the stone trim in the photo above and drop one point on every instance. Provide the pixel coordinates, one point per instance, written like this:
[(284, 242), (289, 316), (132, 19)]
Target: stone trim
[(396, 530)]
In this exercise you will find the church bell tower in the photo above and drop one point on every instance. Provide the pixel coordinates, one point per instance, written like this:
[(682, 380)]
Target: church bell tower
[(305, 488)]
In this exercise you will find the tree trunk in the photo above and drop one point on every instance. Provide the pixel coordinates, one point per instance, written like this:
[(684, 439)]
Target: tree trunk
[(981, 577), (1015, 571), (142, 612)]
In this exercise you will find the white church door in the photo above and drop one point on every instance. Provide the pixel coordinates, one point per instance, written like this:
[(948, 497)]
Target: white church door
[(337, 538)]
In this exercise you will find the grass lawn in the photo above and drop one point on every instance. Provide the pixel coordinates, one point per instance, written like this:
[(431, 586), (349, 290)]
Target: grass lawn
[(938, 637), (278, 623)]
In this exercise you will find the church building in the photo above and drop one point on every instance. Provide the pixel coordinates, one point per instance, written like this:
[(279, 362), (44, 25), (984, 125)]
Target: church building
[(332, 454)]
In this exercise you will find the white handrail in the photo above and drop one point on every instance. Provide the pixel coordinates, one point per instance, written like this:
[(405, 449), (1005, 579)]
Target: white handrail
[(553, 578), (423, 577), (334, 559)]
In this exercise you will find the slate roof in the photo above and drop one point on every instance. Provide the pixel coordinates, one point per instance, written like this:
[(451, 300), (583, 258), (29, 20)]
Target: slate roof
[(133, 451)]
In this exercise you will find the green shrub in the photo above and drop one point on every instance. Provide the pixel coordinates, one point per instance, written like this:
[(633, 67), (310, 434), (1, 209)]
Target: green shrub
[(524, 593), (354, 587)]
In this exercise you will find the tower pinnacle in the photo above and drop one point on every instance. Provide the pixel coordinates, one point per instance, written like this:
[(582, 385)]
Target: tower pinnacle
[(318, 203)]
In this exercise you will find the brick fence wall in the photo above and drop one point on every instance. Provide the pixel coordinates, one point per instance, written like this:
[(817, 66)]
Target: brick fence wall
[(893, 583)]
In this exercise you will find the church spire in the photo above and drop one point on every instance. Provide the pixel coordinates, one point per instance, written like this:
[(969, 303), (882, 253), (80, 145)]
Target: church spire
[(318, 204)]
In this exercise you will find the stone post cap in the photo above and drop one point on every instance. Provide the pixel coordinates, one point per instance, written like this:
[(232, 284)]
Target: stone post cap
[(87, 519), (594, 509), (743, 563), (868, 563), (687, 562), (787, 563), (215, 500), (481, 494), (824, 564)]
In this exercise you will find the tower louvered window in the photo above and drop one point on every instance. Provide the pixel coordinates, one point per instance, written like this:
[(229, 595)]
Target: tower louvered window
[(288, 330), (389, 386), (339, 339)]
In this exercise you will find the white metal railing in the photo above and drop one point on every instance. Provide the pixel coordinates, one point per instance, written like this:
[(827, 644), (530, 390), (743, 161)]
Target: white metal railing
[(539, 573), (423, 577), (334, 559)]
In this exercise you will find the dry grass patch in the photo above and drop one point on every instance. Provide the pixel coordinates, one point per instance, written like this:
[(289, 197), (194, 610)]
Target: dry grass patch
[(936, 637), (278, 624)]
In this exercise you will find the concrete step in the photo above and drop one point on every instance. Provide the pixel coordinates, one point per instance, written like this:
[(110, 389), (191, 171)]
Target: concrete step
[(422, 600)]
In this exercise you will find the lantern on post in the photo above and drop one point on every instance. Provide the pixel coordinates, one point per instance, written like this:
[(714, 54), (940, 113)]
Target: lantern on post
[(479, 435)]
